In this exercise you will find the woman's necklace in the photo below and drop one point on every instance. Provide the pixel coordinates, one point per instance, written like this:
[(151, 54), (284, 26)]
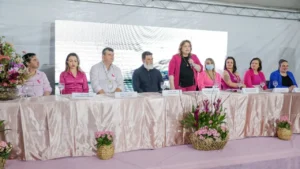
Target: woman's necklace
[(187, 64)]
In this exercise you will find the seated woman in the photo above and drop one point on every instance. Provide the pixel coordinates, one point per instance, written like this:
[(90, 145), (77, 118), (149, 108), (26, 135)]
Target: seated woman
[(209, 77), (38, 83), (254, 76), (231, 78), (73, 77), (283, 77)]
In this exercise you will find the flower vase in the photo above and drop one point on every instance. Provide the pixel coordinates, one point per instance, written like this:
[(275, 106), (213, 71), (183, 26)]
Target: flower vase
[(106, 152), (284, 134), (8, 93), (2, 162)]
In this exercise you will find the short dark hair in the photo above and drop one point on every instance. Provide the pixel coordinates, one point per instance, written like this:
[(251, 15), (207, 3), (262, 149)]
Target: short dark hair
[(259, 64), (27, 58), (281, 61), (107, 49), (234, 69), (144, 54)]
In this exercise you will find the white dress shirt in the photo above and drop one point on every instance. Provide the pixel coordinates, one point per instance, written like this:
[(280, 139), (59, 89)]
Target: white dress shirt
[(108, 80)]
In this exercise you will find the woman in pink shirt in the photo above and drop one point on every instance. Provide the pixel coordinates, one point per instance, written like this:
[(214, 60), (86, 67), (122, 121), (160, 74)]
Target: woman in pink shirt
[(231, 78), (209, 78), (184, 68), (73, 77), (254, 76)]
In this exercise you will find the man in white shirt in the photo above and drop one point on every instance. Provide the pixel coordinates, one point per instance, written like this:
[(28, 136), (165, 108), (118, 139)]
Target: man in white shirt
[(106, 77)]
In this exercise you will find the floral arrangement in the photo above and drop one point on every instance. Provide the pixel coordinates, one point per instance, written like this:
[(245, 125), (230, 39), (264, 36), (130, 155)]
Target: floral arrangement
[(284, 122), (209, 122), (5, 149), (104, 138), (12, 70)]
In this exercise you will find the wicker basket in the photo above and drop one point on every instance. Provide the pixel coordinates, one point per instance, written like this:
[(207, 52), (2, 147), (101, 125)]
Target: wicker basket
[(106, 152), (284, 134), (2, 162), (207, 144)]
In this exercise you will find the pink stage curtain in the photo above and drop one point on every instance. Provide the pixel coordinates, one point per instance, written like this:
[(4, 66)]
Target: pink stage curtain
[(51, 127)]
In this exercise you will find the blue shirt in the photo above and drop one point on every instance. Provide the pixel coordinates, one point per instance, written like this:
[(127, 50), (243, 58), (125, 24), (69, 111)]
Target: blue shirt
[(276, 76), (144, 80)]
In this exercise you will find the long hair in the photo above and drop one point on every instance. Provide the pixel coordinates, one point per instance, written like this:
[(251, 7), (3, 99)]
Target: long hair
[(234, 68), (75, 55), (181, 45), (212, 62)]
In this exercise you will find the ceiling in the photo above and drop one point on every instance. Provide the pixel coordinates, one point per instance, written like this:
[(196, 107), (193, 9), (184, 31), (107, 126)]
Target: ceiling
[(282, 4)]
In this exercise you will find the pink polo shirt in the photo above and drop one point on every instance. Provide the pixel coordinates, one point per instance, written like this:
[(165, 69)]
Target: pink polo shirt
[(73, 84), (205, 81)]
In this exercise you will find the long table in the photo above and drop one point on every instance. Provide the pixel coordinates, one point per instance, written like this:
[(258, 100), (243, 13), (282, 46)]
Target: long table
[(52, 127)]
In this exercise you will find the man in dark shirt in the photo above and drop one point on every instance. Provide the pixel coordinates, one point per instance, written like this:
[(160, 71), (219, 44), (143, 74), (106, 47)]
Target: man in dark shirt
[(146, 78)]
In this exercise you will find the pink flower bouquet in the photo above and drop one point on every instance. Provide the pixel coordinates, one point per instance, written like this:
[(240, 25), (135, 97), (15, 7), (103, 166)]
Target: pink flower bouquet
[(284, 127), (5, 149), (12, 70), (105, 148), (104, 138), (208, 126)]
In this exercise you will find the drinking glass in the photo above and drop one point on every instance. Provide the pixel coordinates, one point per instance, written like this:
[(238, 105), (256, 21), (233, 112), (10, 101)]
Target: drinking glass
[(61, 87), (275, 83), (262, 84), (162, 85)]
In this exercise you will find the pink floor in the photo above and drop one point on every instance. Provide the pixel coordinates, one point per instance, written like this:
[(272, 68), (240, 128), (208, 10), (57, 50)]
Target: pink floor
[(250, 153)]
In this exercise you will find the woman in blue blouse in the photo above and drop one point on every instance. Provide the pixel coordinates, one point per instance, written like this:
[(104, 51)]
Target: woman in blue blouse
[(282, 78)]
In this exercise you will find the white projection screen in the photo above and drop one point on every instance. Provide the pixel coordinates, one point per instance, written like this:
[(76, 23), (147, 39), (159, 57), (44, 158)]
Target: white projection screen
[(129, 42)]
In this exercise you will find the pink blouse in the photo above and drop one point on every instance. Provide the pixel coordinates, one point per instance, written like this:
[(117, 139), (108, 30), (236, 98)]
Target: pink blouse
[(205, 81), (77, 84), (251, 79)]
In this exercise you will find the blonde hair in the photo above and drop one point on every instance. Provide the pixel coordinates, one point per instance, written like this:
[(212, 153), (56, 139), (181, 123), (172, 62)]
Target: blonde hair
[(212, 62)]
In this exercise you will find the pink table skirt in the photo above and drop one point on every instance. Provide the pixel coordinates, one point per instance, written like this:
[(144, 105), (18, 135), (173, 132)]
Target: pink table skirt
[(51, 127)]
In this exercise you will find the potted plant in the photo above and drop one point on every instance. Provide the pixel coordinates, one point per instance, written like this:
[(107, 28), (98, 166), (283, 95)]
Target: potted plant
[(105, 147), (5, 149), (208, 126), (12, 71), (284, 131)]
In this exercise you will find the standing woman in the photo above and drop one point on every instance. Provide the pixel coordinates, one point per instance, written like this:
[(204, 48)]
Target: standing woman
[(254, 76), (73, 77), (184, 68), (231, 78)]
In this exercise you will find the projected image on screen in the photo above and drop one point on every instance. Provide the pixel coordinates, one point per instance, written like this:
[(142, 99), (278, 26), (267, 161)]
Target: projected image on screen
[(129, 42)]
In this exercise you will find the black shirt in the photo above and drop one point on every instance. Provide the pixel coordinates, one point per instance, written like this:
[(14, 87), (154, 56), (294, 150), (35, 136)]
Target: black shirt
[(186, 77), (286, 81), (146, 81)]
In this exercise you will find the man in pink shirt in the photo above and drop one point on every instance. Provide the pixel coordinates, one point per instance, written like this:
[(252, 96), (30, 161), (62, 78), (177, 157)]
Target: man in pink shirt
[(37, 84)]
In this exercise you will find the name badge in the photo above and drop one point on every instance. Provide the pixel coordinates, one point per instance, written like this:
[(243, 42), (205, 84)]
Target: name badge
[(250, 90), (210, 91), (171, 92), (83, 95), (280, 90), (125, 94)]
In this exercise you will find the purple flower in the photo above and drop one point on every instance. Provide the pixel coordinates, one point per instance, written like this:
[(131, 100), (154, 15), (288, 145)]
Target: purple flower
[(206, 105), (196, 115)]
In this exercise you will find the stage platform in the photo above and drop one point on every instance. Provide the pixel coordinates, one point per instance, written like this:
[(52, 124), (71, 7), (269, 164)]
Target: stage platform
[(249, 153)]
